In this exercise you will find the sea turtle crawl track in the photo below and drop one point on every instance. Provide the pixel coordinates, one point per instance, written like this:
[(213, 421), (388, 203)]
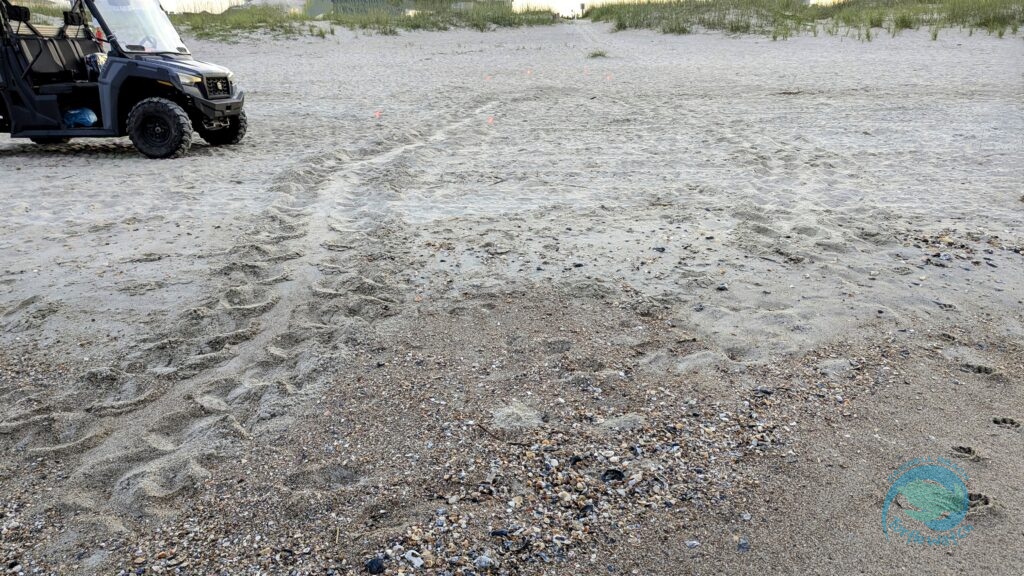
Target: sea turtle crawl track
[(298, 291)]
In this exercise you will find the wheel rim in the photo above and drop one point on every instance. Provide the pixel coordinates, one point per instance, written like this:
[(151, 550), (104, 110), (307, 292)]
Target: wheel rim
[(156, 131)]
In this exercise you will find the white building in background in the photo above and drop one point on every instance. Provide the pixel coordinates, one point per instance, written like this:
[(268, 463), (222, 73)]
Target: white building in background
[(211, 6), (564, 8), (570, 8)]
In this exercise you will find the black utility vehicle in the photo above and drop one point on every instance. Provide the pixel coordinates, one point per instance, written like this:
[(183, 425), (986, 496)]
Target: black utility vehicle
[(133, 76)]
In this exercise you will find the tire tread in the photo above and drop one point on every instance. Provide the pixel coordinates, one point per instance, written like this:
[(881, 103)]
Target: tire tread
[(180, 118)]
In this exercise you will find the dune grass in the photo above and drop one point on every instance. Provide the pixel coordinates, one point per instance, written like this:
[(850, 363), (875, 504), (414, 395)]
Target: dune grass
[(864, 19), (233, 21), (42, 11), (785, 18), (441, 15), (384, 17)]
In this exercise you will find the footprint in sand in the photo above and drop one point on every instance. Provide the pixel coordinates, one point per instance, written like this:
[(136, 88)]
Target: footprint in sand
[(977, 368), (1008, 423), (978, 503), (967, 453)]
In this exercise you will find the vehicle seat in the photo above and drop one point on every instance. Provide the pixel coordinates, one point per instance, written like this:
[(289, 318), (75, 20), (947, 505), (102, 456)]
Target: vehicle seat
[(52, 54), (42, 57), (74, 44), (19, 14)]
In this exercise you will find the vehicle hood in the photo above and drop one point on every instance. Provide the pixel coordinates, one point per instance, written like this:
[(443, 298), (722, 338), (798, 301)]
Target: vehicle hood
[(188, 66)]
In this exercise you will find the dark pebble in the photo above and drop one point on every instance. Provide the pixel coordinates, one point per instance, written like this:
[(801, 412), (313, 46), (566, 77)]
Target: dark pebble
[(613, 475), (375, 566)]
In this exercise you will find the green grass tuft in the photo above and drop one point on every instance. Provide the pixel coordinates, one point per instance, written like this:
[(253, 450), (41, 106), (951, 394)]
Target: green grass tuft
[(903, 21)]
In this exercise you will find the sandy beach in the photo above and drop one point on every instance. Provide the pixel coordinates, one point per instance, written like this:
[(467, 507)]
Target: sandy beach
[(477, 303)]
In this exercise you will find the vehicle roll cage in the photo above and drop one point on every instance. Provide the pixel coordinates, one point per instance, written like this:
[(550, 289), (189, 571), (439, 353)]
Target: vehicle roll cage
[(11, 12), (78, 15)]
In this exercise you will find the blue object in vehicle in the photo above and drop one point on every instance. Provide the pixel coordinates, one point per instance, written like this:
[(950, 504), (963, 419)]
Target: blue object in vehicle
[(80, 118)]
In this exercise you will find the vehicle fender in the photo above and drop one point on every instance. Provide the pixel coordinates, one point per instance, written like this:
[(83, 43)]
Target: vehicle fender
[(125, 81)]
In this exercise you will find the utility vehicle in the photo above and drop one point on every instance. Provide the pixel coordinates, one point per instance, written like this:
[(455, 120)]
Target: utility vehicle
[(113, 68)]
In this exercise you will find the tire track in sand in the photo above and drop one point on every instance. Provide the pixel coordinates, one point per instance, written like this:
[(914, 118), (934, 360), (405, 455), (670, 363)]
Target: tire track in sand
[(297, 291)]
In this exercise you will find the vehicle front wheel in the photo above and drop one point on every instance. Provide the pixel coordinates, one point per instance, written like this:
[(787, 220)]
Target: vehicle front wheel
[(50, 141), (159, 128), (231, 134)]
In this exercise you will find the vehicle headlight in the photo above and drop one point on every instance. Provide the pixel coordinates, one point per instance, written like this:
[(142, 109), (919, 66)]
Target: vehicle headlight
[(188, 79)]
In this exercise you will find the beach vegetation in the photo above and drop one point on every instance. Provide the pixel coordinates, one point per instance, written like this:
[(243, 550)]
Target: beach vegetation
[(44, 12), (778, 19), (782, 19), (382, 17), (232, 22)]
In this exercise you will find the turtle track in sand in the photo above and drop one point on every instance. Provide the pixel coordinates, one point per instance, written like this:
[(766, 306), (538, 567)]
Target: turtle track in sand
[(297, 292)]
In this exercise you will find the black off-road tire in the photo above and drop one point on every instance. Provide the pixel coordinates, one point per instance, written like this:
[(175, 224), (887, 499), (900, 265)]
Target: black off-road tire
[(233, 134), (52, 141), (159, 128)]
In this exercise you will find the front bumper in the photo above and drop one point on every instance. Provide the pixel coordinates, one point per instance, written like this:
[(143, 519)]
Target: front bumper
[(222, 107)]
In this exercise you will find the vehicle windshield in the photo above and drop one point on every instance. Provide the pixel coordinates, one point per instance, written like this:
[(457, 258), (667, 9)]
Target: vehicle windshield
[(140, 26)]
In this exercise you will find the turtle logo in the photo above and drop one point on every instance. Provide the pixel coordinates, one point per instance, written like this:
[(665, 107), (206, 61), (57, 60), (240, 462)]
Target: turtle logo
[(927, 503)]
